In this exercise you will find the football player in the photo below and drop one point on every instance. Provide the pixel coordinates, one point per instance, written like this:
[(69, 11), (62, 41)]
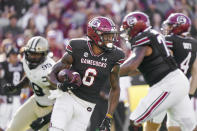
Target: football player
[(12, 72), (37, 65), (97, 61), (168, 85), (184, 48)]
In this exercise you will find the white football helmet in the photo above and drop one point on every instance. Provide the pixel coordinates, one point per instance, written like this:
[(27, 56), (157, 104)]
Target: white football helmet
[(36, 51)]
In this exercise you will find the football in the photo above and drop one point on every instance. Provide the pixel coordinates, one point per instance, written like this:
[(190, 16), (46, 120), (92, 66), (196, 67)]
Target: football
[(65, 75)]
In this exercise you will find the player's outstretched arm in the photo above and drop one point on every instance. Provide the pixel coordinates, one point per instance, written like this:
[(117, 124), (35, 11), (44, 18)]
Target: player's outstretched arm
[(130, 66), (64, 62), (9, 88), (115, 89), (113, 99), (193, 83)]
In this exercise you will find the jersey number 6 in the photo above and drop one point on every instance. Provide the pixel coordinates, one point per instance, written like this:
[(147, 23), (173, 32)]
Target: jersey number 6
[(89, 76)]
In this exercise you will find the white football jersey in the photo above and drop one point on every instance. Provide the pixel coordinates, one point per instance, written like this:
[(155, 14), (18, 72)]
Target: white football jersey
[(38, 80)]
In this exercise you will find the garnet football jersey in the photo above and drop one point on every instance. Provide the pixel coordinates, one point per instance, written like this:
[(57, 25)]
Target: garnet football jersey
[(184, 51), (94, 69), (160, 62)]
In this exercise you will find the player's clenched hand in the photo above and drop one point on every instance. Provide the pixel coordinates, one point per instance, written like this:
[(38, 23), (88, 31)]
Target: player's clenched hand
[(40, 122), (73, 84), (9, 88), (63, 86), (105, 125)]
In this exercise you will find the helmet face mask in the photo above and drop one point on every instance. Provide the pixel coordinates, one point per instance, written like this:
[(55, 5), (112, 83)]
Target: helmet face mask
[(34, 59), (166, 28), (103, 33), (36, 51), (124, 33), (107, 41)]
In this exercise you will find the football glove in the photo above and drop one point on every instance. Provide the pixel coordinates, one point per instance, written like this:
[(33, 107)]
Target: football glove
[(40, 122), (63, 86), (9, 88), (135, 128), (73, 84), (106, 124)]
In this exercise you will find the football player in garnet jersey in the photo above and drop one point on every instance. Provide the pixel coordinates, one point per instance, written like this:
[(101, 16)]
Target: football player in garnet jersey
[(169, 87), (97, 61), (37, 65), (184, 48)]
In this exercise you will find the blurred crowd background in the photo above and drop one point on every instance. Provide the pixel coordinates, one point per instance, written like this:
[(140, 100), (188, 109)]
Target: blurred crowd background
[(61, 20)]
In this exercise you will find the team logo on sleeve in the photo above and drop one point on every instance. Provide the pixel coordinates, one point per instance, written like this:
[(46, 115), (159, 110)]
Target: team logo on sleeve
[(181, 20), (131, 20)]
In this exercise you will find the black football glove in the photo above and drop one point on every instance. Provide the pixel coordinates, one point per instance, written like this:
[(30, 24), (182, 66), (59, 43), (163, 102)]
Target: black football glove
[(73, 84), (40, 122), (9, 88), (105, 125), (63, 86), (135, 128)]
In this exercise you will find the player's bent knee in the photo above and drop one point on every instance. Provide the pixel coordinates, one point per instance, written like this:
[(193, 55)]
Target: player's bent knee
[(55, 129)]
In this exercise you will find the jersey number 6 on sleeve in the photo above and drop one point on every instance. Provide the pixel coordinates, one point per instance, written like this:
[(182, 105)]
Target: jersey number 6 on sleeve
[(185, 63), (89, 76)]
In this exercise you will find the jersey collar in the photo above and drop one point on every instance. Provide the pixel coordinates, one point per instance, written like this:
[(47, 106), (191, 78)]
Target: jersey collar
[(91, 51)]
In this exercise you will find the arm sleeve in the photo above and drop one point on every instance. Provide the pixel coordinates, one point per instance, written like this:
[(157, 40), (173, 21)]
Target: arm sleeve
[(140, 40), (69, 48)]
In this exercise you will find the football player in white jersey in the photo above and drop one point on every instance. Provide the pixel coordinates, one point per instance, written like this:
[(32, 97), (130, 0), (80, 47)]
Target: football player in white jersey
[(37, 64)]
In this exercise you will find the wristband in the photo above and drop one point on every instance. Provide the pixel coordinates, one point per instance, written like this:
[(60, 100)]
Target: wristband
[(109, 115)]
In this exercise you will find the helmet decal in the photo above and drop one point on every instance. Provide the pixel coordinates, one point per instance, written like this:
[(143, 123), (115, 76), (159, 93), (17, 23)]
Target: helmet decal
[(95, 23), (131, 20), (181, 20)]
